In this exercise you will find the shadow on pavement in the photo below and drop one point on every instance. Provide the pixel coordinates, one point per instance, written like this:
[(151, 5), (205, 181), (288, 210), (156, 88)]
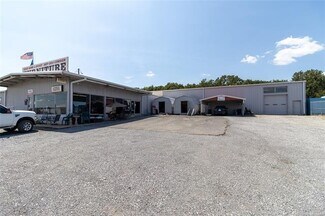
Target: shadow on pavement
[(92, 126), (5, 134)]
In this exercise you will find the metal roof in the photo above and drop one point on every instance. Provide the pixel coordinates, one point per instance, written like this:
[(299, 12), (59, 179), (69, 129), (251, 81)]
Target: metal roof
[(15, 78)]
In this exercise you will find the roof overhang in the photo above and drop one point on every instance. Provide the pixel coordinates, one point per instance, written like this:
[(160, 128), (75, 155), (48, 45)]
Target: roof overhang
[(15, 78), (222, 98)]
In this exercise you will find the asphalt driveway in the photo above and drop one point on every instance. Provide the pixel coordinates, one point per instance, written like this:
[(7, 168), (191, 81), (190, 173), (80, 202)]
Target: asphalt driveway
[(264, 165)]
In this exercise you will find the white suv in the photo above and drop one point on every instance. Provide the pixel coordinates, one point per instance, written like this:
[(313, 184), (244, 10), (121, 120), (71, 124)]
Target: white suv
[(12, 119)]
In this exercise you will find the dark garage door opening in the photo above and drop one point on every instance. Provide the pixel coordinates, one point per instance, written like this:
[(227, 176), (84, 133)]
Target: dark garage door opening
[(161, 107), (234, 105), (184, 107)]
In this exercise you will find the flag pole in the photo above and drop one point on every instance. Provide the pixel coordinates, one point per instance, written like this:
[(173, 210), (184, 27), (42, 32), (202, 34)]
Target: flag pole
[(32, 63)]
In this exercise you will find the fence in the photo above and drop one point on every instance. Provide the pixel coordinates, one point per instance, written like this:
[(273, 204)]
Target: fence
[(316, 106)]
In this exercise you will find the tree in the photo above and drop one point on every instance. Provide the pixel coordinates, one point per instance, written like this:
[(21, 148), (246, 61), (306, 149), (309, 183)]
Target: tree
[(315, 82), (227, 80), (173, 85), (206, 83)]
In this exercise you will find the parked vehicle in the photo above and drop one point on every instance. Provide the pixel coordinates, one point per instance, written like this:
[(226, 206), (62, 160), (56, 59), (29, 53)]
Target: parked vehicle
[(11, 120), (220, 110)]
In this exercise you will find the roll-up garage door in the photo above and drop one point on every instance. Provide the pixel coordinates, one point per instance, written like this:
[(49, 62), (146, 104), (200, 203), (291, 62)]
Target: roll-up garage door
[(275, 104)]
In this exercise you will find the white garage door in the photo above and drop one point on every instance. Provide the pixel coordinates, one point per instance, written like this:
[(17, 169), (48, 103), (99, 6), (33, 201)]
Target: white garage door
[(275, 104)]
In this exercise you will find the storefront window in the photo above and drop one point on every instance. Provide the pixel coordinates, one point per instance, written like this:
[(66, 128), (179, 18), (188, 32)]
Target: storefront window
[(53, 103), (80, 103), (97, 104), (109, 104)]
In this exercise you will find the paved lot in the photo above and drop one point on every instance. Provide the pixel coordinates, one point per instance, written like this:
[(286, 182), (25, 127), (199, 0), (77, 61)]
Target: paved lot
[(265, 165)]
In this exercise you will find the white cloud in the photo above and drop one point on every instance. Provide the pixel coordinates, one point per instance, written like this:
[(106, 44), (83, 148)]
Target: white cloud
[(249, 59), (206, 75), (128, 79), (291, 48), (268, 52), (150, 74)]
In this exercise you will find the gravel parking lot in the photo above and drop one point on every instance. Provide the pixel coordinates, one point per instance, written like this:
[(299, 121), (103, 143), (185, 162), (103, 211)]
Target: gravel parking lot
[(167, 165)]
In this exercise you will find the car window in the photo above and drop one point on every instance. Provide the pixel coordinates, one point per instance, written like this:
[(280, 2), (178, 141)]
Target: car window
[(3, 109)]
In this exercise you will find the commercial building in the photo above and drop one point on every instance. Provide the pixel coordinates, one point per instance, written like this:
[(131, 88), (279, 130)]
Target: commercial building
[(54, 93), (46, 91), (282, 98)]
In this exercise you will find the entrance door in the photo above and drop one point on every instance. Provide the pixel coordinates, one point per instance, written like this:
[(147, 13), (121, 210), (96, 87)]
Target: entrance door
[(296, 107), (162, 107), (184, 107), (275, 105), (137, 107)]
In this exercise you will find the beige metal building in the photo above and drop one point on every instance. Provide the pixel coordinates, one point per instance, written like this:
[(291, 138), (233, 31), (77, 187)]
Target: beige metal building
[(186, 105), (283, 98), (61, 93), (162, 105)]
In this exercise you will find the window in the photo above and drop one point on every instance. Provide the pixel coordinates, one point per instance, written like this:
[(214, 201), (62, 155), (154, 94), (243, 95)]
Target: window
[(269, 90), (280, 89), (3, 109), (109, 104), (53, 103), (97, 104), (80, 103)]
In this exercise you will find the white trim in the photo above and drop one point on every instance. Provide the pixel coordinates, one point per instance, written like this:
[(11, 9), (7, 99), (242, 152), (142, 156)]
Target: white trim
[(71, 92)]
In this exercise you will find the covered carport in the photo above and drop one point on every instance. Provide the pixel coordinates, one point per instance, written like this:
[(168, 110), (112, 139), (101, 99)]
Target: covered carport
[(235, 105)]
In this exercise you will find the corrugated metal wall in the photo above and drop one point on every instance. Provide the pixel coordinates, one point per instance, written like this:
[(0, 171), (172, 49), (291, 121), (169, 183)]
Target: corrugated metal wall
[(168, 104), (192, 103), (316, 106), (97, 89), (254, 95), (17, 94), (194, 93)]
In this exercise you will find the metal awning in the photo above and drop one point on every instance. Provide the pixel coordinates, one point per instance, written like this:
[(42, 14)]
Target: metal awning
[(222, 98), (15, 78)]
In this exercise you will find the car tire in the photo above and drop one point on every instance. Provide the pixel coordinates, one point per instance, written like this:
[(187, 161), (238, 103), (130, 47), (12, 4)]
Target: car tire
[(25, 126)]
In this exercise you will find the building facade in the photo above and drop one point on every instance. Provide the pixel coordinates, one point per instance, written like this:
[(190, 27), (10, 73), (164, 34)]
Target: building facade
[(63, 93), (283, 98)]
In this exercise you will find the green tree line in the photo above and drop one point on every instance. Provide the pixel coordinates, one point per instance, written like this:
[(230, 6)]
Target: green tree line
[(315, 82)]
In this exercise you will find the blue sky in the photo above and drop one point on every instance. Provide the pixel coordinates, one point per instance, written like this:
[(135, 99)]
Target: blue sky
[(142, 43)]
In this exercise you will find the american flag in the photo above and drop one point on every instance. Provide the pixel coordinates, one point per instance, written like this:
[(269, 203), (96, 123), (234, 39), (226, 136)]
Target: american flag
[(26, 56)]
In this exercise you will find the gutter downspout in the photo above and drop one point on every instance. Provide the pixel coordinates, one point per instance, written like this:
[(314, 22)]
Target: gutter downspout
[(304, 97), (5, 98), (71, 92)]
